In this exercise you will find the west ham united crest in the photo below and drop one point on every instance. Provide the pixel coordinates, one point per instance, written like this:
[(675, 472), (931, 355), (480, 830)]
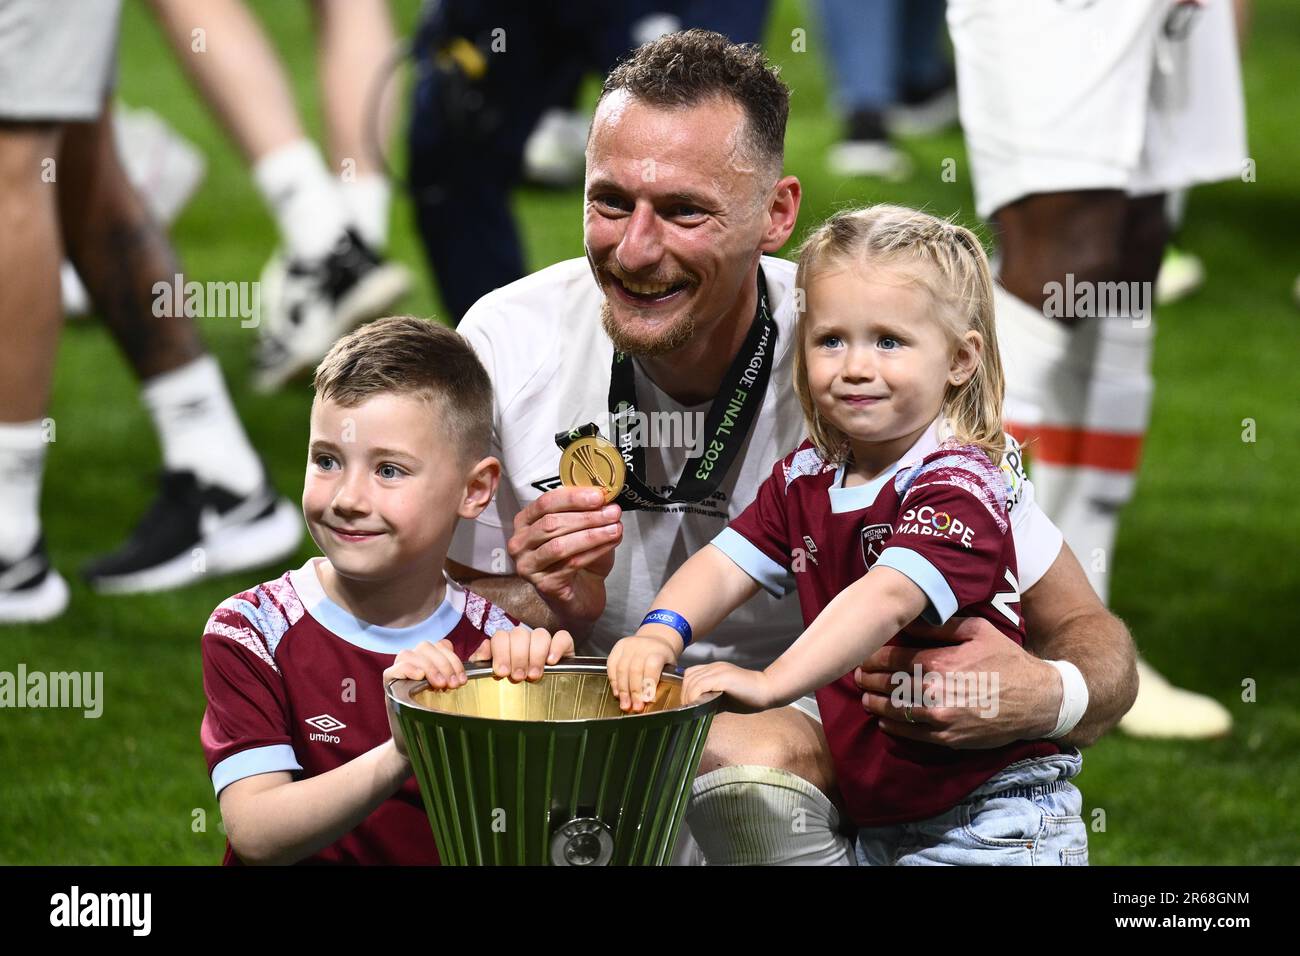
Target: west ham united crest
[(873, 536)]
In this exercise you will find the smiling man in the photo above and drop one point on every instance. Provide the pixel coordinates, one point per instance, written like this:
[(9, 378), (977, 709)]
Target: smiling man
[(677, 309)]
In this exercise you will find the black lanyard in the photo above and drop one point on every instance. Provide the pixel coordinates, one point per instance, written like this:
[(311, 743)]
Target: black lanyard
[(725, 427)]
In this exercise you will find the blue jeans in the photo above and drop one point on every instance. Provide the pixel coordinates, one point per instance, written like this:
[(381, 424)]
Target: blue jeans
[(1026, 815), (880, 46)]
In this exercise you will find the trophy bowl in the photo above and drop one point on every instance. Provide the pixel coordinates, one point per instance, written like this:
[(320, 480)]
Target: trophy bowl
[(551, 772)]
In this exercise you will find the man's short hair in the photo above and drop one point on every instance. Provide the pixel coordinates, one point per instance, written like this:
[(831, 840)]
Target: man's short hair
[(689, 68), (405, 355)]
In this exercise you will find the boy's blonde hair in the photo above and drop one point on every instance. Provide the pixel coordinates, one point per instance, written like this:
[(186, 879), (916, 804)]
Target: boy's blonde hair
[(949, 262), (406, 355)]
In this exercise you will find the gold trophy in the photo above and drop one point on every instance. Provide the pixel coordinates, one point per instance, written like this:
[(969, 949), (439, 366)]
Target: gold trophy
[(552, 772)]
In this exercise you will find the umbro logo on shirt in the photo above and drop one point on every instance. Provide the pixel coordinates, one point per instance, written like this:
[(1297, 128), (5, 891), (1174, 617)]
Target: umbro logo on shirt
[(325, 724)]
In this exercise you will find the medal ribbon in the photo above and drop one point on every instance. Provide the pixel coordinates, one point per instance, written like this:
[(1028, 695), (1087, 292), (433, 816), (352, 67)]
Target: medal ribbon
[(727, 424)]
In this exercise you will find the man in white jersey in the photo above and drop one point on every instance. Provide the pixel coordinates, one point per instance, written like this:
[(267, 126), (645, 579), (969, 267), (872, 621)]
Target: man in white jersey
[(1080, 115), (684, 195)]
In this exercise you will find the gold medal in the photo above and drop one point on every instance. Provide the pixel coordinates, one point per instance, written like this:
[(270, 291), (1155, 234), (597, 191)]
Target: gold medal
[(590, 462)]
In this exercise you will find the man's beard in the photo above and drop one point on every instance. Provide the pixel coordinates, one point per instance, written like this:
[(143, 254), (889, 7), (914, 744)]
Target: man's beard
[(662, 342)]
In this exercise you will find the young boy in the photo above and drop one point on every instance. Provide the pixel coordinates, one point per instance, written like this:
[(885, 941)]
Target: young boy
[(296, 732)]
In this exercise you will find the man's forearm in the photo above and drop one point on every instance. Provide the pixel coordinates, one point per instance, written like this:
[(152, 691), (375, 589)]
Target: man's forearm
[(1099, 645)]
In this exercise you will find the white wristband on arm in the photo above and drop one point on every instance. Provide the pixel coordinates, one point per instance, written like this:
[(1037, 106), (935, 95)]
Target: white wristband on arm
[(1074, 699)]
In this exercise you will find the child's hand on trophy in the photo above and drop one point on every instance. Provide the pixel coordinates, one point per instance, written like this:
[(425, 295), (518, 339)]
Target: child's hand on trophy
[(522, 652), (747, 691), (436, 663), (634, 667)]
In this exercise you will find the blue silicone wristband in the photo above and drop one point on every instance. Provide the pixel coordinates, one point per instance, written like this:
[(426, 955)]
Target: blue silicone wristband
[(671, 619)]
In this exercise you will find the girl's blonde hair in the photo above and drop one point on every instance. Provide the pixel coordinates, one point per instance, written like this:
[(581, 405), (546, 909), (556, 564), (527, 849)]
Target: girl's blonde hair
[(949, 262)]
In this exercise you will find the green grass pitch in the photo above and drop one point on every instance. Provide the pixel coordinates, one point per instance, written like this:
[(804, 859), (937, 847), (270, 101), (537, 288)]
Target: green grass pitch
[(1207, 564)]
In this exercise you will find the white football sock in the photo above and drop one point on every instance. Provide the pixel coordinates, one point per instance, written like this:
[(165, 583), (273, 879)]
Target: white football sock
[(1034, 350), (761, 816), (198, 428), (303, 197), (1083, 398), (367, 198), (22, 464), (1175, 208)]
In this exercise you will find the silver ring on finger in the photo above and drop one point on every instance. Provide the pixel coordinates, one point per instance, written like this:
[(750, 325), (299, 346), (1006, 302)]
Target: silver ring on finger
[(907, 713)]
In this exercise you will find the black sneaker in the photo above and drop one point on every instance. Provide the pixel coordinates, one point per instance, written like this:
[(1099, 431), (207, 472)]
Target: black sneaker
[(30, 589), (309, 304), (193, 530)]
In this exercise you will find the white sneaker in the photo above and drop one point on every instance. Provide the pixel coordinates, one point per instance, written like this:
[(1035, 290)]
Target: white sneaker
[(1181, 274), (1165, 711), (31, 590), (556, 152), (309, 305), (163, 166), (879, 158), (933, 114)]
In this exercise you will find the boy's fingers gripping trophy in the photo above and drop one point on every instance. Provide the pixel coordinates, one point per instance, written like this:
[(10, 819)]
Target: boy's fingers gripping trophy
[(436, 663)]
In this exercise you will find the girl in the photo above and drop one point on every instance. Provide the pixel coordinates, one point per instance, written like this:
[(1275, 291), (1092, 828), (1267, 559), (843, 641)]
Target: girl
[(889, 520)]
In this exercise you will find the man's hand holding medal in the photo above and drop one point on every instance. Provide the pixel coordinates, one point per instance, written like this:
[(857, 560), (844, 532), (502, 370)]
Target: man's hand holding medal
[(564, 546)]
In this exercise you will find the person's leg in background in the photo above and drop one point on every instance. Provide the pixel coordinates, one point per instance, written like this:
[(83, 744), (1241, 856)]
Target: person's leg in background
[(209, 463), (1079, 389), (166, 169), (239, 75), (472, 110), (1181, 272), (927, 95), (30, 321), (356, 45), (329, 279), (1078, 369), (39, 96), (862, 41)]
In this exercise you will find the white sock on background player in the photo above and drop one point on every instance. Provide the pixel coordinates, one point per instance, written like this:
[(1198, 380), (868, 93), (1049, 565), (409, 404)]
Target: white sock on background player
[(1082, 396), (303, 197), (367, 198), (762, 816), (22, 465), (198, 428)]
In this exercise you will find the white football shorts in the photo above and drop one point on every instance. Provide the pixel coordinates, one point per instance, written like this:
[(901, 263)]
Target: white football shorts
[(57, 58), (1062, 95)]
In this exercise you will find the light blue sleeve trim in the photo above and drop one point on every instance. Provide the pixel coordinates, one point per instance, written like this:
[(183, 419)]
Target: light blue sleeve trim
[(249, 763), (773, 578), (943, 603)]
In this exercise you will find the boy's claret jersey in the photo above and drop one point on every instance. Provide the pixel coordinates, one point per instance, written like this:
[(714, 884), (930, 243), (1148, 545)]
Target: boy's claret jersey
[(939, 516), (295, 683)]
